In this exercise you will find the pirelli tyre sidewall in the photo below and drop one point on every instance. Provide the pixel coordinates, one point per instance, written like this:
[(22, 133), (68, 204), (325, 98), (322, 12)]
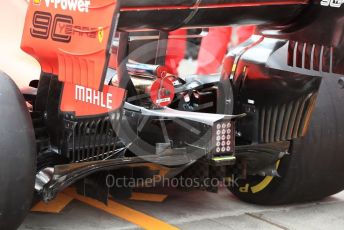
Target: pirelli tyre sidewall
[(17, 156), (315, 167)]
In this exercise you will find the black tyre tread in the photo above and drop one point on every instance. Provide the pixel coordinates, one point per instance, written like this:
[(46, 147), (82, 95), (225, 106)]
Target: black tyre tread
[(315, 167), (17, 155)]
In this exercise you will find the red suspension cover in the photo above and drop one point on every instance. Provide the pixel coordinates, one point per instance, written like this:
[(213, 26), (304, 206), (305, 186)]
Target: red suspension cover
[(71, 38)]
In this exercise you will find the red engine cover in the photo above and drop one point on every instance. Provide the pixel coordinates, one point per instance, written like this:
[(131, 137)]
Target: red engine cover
[(71, 38)]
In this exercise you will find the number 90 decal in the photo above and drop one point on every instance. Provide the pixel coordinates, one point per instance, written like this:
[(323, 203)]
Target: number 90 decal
[(61, 28), (332, 3), (42, 26)]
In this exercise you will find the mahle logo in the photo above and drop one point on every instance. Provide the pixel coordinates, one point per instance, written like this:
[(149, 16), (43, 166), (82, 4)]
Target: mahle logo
[(71, 5)]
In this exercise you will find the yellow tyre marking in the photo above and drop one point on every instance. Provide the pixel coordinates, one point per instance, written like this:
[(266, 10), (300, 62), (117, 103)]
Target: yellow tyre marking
[(148, 197), (264, 183), (140, 219), (244, 189), (54, 206)]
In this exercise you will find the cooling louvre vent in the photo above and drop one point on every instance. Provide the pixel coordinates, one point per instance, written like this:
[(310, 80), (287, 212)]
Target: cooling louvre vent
[(91, 139), (310, 56), (287, 121), (41, 132)]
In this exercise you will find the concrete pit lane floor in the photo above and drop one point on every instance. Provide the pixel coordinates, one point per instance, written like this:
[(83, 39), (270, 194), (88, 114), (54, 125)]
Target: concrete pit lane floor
[(175, 209)]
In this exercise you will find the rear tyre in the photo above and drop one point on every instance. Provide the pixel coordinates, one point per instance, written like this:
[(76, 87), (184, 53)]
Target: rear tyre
[(17, 156), (315, 167)]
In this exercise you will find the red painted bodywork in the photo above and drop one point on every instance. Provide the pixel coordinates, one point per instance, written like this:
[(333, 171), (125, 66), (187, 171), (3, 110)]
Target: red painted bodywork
[(70, 102), (82, 60)]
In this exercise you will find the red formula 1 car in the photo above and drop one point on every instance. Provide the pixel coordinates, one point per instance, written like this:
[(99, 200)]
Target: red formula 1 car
[(106, 104)]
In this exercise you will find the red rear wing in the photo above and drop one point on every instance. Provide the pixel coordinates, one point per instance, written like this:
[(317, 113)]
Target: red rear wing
[(71, 38)]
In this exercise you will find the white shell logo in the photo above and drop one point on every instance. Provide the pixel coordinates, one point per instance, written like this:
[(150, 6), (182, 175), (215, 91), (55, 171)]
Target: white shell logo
[(332, 3), (71, 5)]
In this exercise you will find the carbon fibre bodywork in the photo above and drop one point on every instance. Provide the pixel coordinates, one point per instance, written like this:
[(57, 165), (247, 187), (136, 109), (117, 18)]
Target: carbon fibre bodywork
[(275, 77)]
